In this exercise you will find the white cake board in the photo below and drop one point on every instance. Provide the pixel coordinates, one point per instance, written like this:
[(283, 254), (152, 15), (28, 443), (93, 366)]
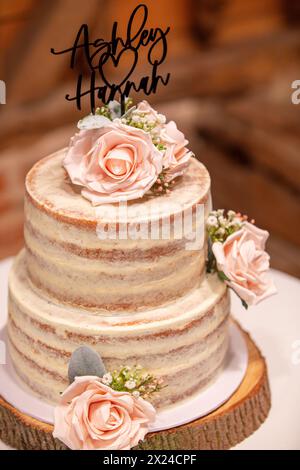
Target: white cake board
[(201, 404)]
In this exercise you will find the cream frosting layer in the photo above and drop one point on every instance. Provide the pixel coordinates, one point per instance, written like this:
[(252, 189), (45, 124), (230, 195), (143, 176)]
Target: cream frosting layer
[(67, 258), (184, 342)]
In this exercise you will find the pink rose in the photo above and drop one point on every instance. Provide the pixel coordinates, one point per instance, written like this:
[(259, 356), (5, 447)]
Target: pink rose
[(113, 163), (92, 416), (243, 260), (150, 113), (176, 157)]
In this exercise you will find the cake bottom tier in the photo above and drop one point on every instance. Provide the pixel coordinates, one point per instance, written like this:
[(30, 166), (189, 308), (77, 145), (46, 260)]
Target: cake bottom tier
[(183, 342)]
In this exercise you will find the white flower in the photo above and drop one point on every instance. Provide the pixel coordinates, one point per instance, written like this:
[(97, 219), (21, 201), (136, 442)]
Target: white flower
[(130, 384), (234, 222), (136, 394), (161, 118), (221, 231), (222, 220), (93, 121), (231, 213), (212, 221), (107, 379)]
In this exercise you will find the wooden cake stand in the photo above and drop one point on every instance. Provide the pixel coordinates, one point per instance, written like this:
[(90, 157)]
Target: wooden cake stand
[(231, 423)]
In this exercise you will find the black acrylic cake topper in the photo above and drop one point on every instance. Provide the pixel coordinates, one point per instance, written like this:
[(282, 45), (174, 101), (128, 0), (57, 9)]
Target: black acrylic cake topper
[(99, 54)]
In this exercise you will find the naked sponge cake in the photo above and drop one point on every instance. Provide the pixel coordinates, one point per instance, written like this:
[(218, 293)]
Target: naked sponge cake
[(135, 301), (105, 265)]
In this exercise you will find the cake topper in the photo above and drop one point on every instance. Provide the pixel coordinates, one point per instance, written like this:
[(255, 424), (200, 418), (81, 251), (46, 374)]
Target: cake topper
[(100, 56)]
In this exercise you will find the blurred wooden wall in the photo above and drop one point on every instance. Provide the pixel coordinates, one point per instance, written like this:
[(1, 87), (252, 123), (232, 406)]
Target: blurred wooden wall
[(232, 63)]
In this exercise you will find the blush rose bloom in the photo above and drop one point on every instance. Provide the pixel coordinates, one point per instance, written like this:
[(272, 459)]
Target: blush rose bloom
[(176, 157), (243, 260), (151, 114), (93, 416), (113, 163)]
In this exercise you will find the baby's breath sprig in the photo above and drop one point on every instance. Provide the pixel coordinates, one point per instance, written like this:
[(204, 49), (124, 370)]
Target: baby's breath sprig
[(148, 123), (161, 147), (220, 226), (128, 104), (103, 111), (139, 121), (112, 110), (162, 186), (133, 380)]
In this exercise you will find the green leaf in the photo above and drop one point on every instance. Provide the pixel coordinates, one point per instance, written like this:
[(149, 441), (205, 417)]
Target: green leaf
[(244, 303), (223, 276), (211, 260)]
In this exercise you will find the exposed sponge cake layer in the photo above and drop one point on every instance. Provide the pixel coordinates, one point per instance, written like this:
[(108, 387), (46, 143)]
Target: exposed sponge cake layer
[(184, 342), (69, 257)]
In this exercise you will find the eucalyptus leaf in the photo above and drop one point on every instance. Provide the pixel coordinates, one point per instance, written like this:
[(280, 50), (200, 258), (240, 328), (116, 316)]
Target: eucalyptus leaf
[(85, 361), (115, 109)]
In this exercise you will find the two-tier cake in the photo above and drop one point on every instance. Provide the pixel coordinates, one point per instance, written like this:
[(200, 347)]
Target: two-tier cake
[(147, 302), (124, 256)]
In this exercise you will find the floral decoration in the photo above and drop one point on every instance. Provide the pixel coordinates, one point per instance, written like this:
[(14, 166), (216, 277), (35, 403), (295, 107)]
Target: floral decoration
[(119, 158), (93, 416), (237, 253), (109, 411), (134, 380)]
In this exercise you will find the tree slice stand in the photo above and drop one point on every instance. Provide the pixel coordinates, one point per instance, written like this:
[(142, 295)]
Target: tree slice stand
[(231, 423)]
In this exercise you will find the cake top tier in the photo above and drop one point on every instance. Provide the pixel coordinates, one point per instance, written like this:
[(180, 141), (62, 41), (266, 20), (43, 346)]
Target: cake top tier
[(49, 188)]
